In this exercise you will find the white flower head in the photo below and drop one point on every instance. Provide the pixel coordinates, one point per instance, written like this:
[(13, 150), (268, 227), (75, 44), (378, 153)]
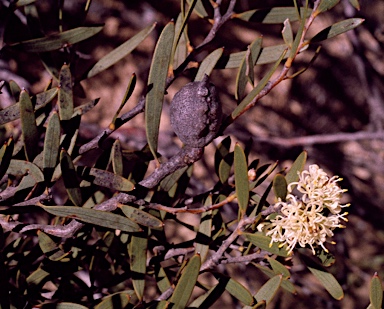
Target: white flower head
[(311, 218)]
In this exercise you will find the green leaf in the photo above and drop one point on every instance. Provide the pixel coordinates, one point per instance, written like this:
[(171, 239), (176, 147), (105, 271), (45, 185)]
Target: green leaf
[(269, 289), (105, 179), (22, 3), (65, 93), (28, 126), (180, 31), (296, 168), (241, 179), (208, 64), (138, 255), (93, 216), (6, 152), (187, 281), (20, 167), (238, 291), (51, 146), (252, 55), (64, 305), (355, 4), (285, 284), (279, 269), (326, 5), (280, 187), (329, 282), (37, 277), (84, 108), (222, 162), (141, 217), (156, 85), (287, 33), (117, 300), (117, 158), (12, 112), (263, 242), (162, 280), (298, 38), (255, 91), (276, 15), (71, 182), (181, 49), (203, 236), (127, 95), (376, 292), (200, 9), (58, 40), (326, 258), (49, 247), (15, 89), (336, 29), (120, 52)]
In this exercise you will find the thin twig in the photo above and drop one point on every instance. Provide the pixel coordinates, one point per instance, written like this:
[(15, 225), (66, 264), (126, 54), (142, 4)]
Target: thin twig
[(245, 258)]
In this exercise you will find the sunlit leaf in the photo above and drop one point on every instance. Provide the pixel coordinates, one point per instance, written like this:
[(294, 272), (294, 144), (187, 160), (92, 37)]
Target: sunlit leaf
[(186, 283), (120, 52), (28, 126), (156, 85), (138, 256), (241, 179), (287, 33), (264, 242), (58, 40), (336, 29), (65, 93), (203, 236), (280, 187), (117, 158), (242, 75), (329, 282), (276, 15), (141, 217), (93, 216), (376, 292), (6, 152), (200, 9), (355, 4), (269, 289), (51, 146), (20, 167), (296, 168), (208, 64), (117, 300), (105, 179), (326, 5)]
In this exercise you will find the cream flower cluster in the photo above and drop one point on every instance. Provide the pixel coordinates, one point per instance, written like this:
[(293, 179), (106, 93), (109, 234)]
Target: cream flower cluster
[(310, 218)]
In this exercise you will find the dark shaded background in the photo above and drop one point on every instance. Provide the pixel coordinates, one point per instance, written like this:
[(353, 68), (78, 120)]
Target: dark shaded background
[(342, 92)]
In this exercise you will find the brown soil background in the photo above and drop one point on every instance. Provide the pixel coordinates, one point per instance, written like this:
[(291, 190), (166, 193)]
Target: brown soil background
[(342, 92)]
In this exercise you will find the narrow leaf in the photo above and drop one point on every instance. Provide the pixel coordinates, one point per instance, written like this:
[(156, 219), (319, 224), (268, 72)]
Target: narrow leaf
[(336, 29), (355, 4), (279, 269), (120, 52), (208, 64), (12, 112), (238, 291), (106, 179), (138, 255), (15, 89), (58, 40), (280, 187), (192, 4), (117, 300), (287, 33), (71, 182), (241, 79), (93, 216), (200, 9), (329, 282), (28, 126), (20, 167), (141, 217), (241, 180), (326, 5), (276, 15), (117, 158), (376, 292), (203, 236), (187, 281), (65, 93), (156, 85), (51, 146), (263, 242), (269, 289), (296, 168), (6, 152), (162, 280), (84, 108), (255, 91)]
